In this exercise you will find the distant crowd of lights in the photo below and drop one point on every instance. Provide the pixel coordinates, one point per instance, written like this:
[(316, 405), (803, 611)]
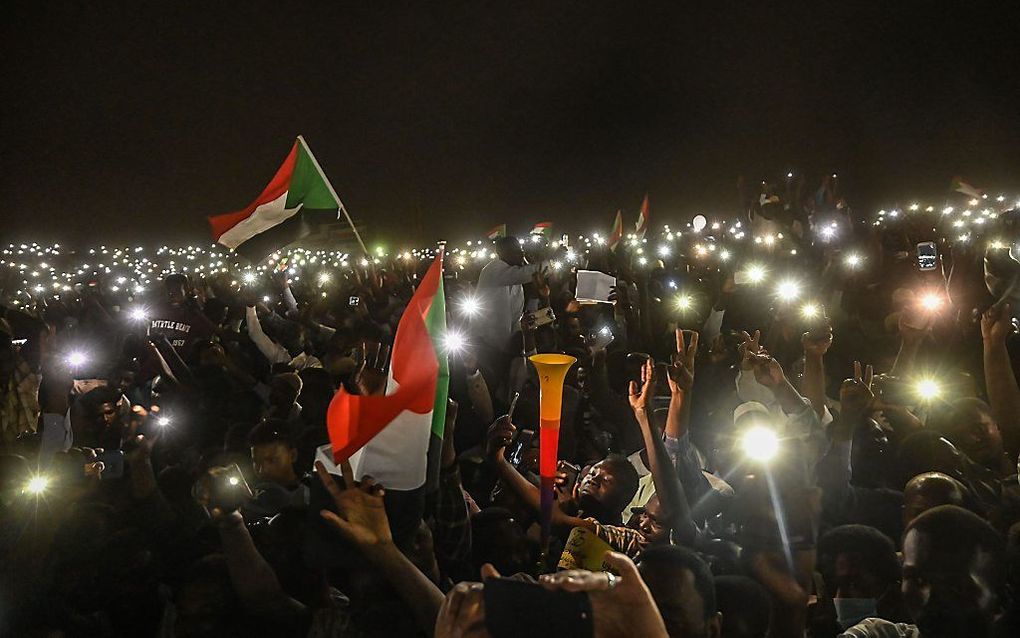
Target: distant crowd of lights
[(35, 271)]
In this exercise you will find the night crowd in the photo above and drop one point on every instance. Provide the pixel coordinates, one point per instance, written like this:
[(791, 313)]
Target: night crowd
[(795, 422)]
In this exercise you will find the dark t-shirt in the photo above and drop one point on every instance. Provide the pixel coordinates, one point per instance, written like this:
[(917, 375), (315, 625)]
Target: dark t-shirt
[(182, 325)]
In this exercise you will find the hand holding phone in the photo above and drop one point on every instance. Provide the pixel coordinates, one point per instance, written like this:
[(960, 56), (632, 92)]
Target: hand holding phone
[(516, 608), (222, 490), (927, 256), (541, 317)]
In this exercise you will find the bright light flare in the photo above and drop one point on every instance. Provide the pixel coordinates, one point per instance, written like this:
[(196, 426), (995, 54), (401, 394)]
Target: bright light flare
[(760, 443), (470, 306), (928, 389), (931, 301), (853, 260), (788, 290), (163, 421), (249, 277), (76, 359), (454, 342), (755, 273), (37, 485), (138, 314), (810, 311), (684, 302)]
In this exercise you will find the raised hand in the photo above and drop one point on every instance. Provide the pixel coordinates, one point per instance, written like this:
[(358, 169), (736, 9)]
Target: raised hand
[(463, 612), (449, 452), (680, 374), (855, 395), (640, 397), (500, 433), (371, 376), (622, 605), (816, 342), (767, 370), (997, 323), (361, 516), (541, 283), (750, 346)]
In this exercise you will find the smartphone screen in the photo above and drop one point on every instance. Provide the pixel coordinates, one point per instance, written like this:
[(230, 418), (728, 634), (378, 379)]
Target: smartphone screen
[(927, 255), (519, 446)]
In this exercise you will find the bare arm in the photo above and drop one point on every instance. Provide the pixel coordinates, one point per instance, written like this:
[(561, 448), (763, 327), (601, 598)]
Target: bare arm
[(816, 344), (252, 577), (1000, 381), (360, 518), (500, 434), (667, 485)]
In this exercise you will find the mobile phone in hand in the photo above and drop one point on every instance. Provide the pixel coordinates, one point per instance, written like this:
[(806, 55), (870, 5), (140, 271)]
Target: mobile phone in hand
[(517, 608), (521, 443), (542, 317), (222, 488), (927, 256), (113, 464)]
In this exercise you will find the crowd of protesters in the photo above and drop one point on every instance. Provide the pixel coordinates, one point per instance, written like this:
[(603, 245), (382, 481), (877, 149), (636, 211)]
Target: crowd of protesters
[(837, 456)]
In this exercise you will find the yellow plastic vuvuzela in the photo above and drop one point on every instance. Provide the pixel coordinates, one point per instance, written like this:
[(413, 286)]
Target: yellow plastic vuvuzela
[(552, 370)]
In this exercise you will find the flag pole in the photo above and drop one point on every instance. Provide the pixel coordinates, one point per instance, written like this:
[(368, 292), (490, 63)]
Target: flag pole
[(332, 191)]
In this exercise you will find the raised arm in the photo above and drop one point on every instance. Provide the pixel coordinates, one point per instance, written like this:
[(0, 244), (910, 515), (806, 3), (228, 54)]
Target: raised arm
[(252, 577), (816, 343), (667, 485), (360, 517), (477, 389), (1000, 381), (269, 348), (499, 436), (500, 273)]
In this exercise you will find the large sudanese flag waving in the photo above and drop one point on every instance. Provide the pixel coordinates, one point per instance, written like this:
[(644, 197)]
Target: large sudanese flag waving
[(390, 436), (278, 217)]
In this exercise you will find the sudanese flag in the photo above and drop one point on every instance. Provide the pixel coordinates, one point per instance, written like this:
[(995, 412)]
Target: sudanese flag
[(278, 216), (392, 436)]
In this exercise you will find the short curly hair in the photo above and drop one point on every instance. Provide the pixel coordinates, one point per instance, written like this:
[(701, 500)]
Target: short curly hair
[(875, 551)]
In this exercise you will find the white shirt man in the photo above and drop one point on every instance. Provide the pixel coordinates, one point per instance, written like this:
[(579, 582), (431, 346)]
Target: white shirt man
[(500, 294)]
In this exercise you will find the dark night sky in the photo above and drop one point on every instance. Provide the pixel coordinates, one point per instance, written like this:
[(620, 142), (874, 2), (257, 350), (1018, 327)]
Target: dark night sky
[(125, 123)]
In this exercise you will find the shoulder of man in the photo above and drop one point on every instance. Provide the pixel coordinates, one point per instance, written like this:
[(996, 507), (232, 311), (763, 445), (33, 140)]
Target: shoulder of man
[(880, 628)]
